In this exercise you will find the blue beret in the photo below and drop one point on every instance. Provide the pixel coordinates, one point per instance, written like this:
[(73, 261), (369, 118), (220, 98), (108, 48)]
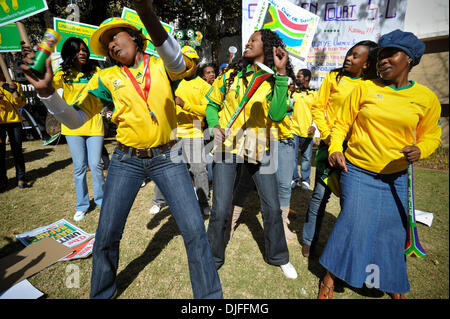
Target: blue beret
[(406, 41)]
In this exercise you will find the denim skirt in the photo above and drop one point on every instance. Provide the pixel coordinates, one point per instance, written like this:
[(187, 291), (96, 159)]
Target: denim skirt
[(367, 242)]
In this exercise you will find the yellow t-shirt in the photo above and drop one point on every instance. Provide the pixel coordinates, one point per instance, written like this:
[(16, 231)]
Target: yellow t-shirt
[(383, 120), (302, 116), (135, 125), (330, 97), (190, 117), (10, 106), (252, 121), (72, 86)]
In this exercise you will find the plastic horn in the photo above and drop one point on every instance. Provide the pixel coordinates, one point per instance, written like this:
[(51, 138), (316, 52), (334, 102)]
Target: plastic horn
[(412, 246), (258, 78), (232, 51), (6, 73)]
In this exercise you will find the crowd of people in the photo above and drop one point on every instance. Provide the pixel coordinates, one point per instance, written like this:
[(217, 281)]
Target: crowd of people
[(373, 122)]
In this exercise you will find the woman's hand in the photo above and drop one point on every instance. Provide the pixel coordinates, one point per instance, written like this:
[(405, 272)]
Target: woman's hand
[(412, 153), (280, 59), (337, 159), (41, 82), (179, 101), (219, 135)]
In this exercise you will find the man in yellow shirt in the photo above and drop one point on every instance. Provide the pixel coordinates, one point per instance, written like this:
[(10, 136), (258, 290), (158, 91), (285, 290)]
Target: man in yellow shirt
[(303, 129), (191, 107), (11, 123)]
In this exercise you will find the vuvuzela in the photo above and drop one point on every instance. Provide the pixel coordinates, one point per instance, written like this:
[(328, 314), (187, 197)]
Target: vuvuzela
[(259, 76), (412, 246)]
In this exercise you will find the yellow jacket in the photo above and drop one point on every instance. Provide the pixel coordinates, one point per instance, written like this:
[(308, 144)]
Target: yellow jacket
[(330, 97), (72, 86), (10, 106)]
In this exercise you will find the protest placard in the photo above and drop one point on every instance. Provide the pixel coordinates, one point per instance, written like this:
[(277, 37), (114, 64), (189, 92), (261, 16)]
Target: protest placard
[(342, 24), (132, 16), (64, 233), (293, 24), (15, 10), (68, 28), (9, 38)]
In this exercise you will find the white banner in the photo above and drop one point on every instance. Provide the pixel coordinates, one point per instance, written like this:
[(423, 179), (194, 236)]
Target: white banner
[(342, 24)]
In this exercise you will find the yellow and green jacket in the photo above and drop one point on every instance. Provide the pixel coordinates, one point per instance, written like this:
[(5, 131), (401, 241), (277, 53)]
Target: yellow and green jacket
[(135, 126), (268, 102), (73, 84)]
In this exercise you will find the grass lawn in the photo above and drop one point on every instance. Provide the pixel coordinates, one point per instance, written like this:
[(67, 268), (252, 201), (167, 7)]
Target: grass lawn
[(153, 262)]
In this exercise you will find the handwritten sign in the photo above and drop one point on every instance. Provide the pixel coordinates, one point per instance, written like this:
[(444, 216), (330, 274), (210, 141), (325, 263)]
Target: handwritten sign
[(341, 25)]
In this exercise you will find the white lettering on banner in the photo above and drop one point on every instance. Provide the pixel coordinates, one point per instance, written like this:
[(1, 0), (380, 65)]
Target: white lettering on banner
[(342, 24)]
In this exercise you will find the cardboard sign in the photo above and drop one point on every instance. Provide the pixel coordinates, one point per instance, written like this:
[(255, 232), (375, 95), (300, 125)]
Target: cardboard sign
[(15, 10), (133, 17), (9, 38), (29, 261), (80, 30)]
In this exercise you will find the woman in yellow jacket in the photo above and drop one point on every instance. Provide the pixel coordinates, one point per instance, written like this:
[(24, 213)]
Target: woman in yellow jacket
[(245, 147), (392, 122), (359, 65), (11, 123), (140, 88), (86, 142)]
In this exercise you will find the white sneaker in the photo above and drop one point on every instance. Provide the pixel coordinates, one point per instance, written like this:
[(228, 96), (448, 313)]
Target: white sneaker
[(143, 183), (155, 209), (79, 215), (293, 184), (305, 185), (289, 270)]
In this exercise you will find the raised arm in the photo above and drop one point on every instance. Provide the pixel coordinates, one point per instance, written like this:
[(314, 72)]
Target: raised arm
[(167, 47)]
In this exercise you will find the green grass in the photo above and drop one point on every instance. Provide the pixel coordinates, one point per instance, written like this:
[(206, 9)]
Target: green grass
[(153, 262)]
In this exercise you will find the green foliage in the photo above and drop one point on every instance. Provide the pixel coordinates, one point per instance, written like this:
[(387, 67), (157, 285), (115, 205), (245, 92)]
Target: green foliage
[(213, 20)]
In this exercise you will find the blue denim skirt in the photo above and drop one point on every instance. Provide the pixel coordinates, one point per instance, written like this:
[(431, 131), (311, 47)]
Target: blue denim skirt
[(367, 242)]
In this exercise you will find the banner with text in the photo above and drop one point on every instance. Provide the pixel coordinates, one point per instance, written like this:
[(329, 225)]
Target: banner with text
[(68, 28), (15, 10), (64, 233), (342, 24), (132, 16)]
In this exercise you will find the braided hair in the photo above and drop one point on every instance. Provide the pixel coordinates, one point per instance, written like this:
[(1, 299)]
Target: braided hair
[(269, 39)]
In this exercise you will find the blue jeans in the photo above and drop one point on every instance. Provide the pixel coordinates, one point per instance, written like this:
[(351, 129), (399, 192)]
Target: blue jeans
[(316, 209), (193, 155), (286, 157), (14, 131), (125, 176), (306, 147), (224, 175), (87, 150)]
